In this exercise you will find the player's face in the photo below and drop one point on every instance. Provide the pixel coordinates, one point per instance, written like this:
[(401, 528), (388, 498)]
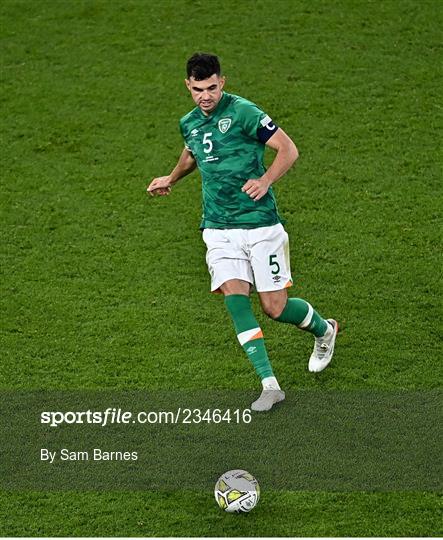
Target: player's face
[(206, 93)]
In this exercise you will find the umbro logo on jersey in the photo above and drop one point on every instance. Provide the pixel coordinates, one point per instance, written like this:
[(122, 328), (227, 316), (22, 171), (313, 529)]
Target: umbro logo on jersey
[(251, 350), (194, 132), (224, 124)]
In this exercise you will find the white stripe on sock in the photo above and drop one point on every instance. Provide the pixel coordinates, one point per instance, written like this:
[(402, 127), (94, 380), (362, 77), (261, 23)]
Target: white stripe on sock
[(246, 336), (307, 320)]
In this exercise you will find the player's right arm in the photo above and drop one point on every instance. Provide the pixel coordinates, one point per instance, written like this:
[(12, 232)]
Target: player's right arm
[(163, 184)]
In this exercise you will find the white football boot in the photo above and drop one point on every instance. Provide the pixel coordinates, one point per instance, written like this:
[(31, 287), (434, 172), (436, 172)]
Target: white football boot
[(323, 348), (267, 399)]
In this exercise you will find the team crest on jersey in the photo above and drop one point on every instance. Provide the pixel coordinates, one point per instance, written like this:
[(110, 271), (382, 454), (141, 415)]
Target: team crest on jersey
[(224, 124)]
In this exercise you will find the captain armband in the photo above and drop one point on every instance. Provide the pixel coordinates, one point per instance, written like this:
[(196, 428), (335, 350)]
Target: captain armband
[(266, 129)]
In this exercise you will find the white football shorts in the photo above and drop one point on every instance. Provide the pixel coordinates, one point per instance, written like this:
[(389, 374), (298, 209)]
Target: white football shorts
[(259, 256)]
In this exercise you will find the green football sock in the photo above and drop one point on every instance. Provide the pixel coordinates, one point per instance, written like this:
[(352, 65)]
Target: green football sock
[(249, 333), (302, 314)]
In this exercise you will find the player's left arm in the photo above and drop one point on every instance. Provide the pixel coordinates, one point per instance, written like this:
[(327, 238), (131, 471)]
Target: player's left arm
[(285, 157)]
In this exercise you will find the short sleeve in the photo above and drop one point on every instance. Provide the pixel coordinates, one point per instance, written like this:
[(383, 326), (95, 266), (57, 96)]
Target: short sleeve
[(256, 123), (180, 125)]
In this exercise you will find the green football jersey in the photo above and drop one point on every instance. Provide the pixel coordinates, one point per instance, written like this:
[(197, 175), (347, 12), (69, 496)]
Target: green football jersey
[(228, 146)]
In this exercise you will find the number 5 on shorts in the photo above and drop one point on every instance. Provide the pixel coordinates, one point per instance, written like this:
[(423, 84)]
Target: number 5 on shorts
[(274, 263)]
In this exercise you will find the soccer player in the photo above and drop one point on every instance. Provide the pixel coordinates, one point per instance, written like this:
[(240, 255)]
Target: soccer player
[(247, 246)]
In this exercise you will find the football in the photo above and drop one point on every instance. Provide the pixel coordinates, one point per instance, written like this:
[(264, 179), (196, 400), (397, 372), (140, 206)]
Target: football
[(237, 491)]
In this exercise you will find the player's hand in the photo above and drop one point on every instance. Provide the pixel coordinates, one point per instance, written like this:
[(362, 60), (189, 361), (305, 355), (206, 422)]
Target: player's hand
[(159, 186), (256, 188)]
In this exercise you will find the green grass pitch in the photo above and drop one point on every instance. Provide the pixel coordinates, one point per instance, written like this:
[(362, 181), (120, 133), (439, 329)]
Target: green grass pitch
[(105, 288)]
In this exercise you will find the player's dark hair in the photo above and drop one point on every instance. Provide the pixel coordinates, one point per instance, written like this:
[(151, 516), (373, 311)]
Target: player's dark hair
[(201, 66)]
